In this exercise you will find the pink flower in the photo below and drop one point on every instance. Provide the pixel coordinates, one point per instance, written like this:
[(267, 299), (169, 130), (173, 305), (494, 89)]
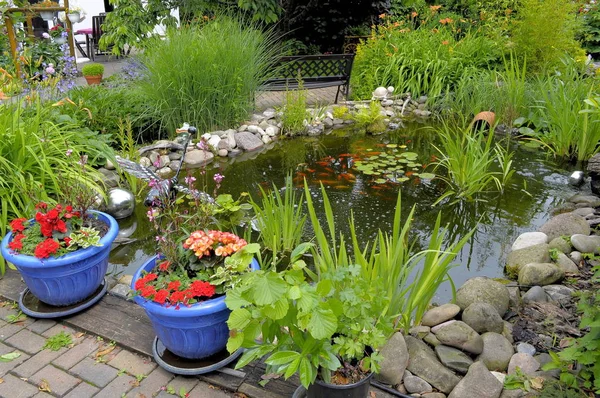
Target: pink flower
[(50, 70), (69, 152), (45, 35), (218, 178), (190, 180)]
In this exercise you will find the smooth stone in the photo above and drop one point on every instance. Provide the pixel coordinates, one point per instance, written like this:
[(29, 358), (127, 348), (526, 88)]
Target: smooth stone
[(576, 257), (532, 254), (453, 358), (584, 211), (497, 351), (174, 156), (483, 317), (541, 274), (441, 325), (529, 239), (175, 164), (328, 122), (526, 362), (591, 200), (153, 156), (214, 141), (223, 144), (198, 158), (479, 382), (486, 290), (414, 384), (440, 314), (266, 139), (121, 290), (431, 340), (164, 172), (567, 224), (518, 393), (243, 127), (514, 294), (231, 143), (338, 121), (145, 162), (535, 295), (253, 128), (223, 153), (401, 389), (269, 113), (559, 293), (109, 165), (586, 244), (526, 348), (272, 131), (424, 363), (460, 335), (433, 395), (507, 332), (419, 331), (561, 244), (164, 160), (500, 376), (395, 360), (263, 125), (110, 177), (566, 264), (248, 141)]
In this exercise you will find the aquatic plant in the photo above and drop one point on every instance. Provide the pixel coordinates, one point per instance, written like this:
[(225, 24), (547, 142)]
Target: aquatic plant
[(294, 114), (391, 165), (370, 118)]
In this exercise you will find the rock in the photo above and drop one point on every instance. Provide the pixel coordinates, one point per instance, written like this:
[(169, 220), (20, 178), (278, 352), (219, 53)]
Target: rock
[(110, 177), (422, 99), (431, 340), (529, 239), (243, 127), (213, 141), (514, 294), (533, 254), (591, 200), (563, 208), (595, 186), (507, 332), (526, 362), (175, 164), (453, 358), (269, 113), (518, 393), (561, 244), (576, 257), (586, 244), (248, 141), (424, 363), (164, 160), (566, 264), (231, 143), (121, 290), (419, 331), (483, 317), (460, 335), (498, 375), (145, 162), (401, 389), (109, 165), (535, 295), (266, 139), (395, 360), (223, 153), (174, 156), (263, 125), (328, 122), (235, 152), (559, 293), (526, 348), (272, 131), (198, 158), (565, 225), (414, 384), (253, 128), (154, 157), (164, 172), (483, 290), (478, 383), (584, 211), (433, 395), (497, 351), (440, 314), (338, 121), (541, 274), (387, 103), (223, 144), (576, 179)]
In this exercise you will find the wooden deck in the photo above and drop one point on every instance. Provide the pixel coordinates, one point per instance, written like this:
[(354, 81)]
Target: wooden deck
[(126, 323)]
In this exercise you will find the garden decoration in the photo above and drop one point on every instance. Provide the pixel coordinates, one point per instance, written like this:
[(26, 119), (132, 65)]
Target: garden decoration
[(62, 255), (59, 34), (93, 73), (47, 15), (182, 288)]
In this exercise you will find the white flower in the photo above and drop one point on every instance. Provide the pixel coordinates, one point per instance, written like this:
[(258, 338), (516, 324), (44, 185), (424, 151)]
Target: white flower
[(45, 35)]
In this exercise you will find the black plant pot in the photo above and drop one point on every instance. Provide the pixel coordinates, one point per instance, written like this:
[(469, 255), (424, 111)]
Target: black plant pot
[(321, 389)]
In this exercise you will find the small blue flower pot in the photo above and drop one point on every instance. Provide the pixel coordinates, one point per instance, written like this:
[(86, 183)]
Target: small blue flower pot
[(193, 332), (69, 279)]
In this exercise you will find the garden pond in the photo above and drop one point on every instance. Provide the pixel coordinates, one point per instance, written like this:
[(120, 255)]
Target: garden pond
[(362, 175)]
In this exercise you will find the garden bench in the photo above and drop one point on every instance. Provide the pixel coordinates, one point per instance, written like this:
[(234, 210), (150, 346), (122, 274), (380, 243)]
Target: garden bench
[(316, 71)]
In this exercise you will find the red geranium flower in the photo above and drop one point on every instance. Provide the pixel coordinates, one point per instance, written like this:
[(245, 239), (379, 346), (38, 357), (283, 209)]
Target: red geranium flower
[(174, 285), (161, 296), (17, 225), (46, 248), (16, 243), (202, 288), (164, 265)]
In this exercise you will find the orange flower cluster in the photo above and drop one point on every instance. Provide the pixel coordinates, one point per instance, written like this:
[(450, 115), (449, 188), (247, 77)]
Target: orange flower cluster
[(214, 242), (446, 21)]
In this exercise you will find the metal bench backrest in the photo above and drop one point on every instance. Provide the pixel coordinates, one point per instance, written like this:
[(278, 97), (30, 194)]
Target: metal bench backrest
[(314, 67)]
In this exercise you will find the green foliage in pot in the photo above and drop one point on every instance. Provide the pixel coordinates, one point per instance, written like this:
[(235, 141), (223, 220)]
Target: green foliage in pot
[(590, 36), (92, 69)]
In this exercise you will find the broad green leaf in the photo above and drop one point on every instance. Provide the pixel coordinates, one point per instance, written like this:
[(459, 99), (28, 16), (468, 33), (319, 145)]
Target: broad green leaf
[(300, 250), (235, 341), (282, 358), (277, 310), (306, 372), (239, 318), (268, 289), (323, 323), (427, 176), (294, 293), (292, 368), (324, 287)]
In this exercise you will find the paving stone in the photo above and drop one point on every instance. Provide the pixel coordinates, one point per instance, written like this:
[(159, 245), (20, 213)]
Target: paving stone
[(6, 367), (84, 390), (56, 329), (41, 325), (14, 387), (42, 394), (151, 385), (117, 387), (177, 384), (77, 353), (27, 341), (7, 310), (37, 362), (11, 329), (205, 390), (59, 381), (98, 374), (133, 364)]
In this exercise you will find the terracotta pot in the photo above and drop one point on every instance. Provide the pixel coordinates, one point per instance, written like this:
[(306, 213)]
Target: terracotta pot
[(485, 117), (93, 79)]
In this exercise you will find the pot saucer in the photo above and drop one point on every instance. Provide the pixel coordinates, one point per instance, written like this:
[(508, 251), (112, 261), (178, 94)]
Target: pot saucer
[(189, 367), (32, 306)]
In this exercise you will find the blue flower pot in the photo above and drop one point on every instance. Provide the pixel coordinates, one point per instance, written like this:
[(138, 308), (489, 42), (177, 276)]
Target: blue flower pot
[(69, 279), (193, 332)]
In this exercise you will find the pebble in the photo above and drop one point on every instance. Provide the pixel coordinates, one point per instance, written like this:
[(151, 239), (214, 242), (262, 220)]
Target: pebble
[(526, 348)]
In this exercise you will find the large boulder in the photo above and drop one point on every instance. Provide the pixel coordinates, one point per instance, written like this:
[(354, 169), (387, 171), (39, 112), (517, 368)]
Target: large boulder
[(565, 225), (248, 141), (460, 335), (540, 274), (566, 264), (533, 254), (395, 360), (478, 383), (589, 200), (560, 244), (440, 314), (198, 158), (424, 363), (528, 239), (497, 351), (586, 244), (483, 290), (453, 358), (483, 317)]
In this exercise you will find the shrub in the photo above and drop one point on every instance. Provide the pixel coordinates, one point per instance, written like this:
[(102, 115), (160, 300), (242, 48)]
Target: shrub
[(92, 70), (206, 75)]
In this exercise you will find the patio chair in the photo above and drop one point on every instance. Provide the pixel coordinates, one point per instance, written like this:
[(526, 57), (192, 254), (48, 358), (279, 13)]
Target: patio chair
[(97, 32)]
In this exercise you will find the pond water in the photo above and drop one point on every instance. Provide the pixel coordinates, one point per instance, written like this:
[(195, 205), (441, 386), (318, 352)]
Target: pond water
[(348, 165)]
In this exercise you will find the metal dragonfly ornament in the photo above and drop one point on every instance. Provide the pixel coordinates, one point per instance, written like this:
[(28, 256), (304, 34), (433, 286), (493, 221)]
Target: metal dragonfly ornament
[(164, 188)]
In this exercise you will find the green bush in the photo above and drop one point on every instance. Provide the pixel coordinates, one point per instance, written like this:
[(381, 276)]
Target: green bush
[(590, 36), (206, 75), (92, 70)]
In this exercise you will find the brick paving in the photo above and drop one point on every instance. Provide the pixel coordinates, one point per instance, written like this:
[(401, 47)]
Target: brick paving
[(77, 371)]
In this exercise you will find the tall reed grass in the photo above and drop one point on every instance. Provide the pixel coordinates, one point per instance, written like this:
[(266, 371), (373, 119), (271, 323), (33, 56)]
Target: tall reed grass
[(207, 74)]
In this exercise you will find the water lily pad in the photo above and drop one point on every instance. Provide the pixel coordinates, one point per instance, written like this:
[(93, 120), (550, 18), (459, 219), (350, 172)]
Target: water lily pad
[(392, 145), (426, 176), (402, 179), (380, 181)]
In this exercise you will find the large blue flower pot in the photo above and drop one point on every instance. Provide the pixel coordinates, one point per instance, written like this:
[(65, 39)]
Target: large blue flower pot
[(69, 279), (193, 332)]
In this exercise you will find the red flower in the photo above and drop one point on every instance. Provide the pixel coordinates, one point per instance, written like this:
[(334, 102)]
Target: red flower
[(17, 225), (16, 243), (68, 241), (46, 248), (150, 277), (164, 265), (202, 288), (177, 297), (174, 285), (161, 296), (147, 291), (140, 283), (41, 205)]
